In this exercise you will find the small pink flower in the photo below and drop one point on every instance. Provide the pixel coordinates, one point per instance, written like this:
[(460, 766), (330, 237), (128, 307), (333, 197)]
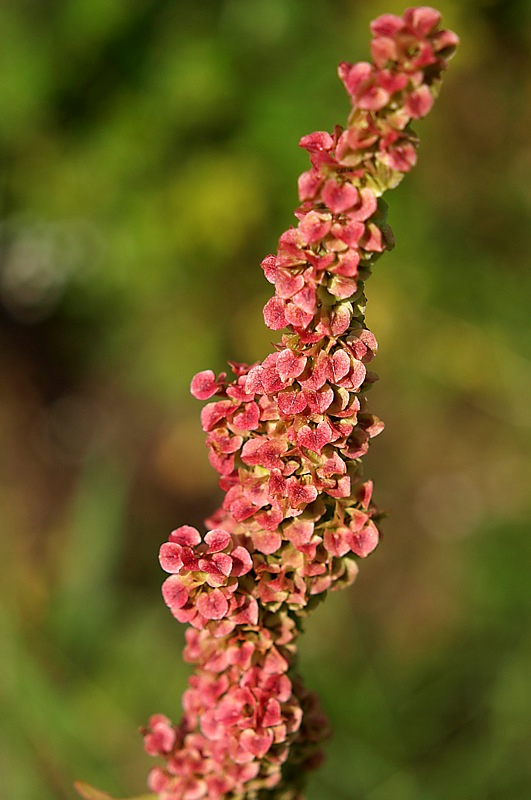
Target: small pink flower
[(354, 75), (297, 316), (365, 208), (445, 42), (387, 25), (315, 438), (347, 263), (320, 140), (315, 226), (319, 400), (287, 284), (419, 102), (269, 265), (185, 536), (158, 780), (309, 183), (336, 541), (241, 562), (248, 419), (339, 197), (159, 738), (320, 372), (222, 463), (365, 541), (215, 412), (299, 531), (223, 442), (373, 97), (192, 789), (340, 322), (300, 494), (422, 19), (275, 314), (400, 157), (174, 592), (342, 287), (204, 384), (170, 557), (257, 744), (306, 299), (212, 605), (349, 233), (290, 365), (244, 609), (391, 81), (217, 540), (292, 402), (269, 540)]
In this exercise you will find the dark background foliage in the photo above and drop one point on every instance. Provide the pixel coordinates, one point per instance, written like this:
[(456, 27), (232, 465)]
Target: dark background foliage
[(148, 162)]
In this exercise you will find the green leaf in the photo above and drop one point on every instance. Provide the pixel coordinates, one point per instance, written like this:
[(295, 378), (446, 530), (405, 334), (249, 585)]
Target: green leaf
[(90, 793)]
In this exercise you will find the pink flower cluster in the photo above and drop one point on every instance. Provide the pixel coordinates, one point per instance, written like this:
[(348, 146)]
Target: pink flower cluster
[(286, 437)]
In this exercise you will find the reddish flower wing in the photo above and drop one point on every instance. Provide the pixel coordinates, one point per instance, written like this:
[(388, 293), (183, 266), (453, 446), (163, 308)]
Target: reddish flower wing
[(204, 385), (422, 19), (186, 536), (339, 196), (212, 605), (217, 539), (174, 592), (386, 25), (170, 557), (242, 562), (290, 365), (365, 541), (315, 438)]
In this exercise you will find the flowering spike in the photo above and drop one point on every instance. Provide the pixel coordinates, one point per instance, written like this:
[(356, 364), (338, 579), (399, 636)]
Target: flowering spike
[(287, 436)]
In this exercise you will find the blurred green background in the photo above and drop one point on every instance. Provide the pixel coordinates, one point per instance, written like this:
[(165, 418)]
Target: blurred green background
[(148, 162)]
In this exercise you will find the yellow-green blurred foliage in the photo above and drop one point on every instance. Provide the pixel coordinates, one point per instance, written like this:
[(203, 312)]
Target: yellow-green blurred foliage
[(149, 161)]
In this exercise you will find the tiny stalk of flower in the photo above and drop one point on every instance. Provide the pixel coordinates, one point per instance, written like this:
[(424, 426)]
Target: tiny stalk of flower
[(287, 437), (90, 793)]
